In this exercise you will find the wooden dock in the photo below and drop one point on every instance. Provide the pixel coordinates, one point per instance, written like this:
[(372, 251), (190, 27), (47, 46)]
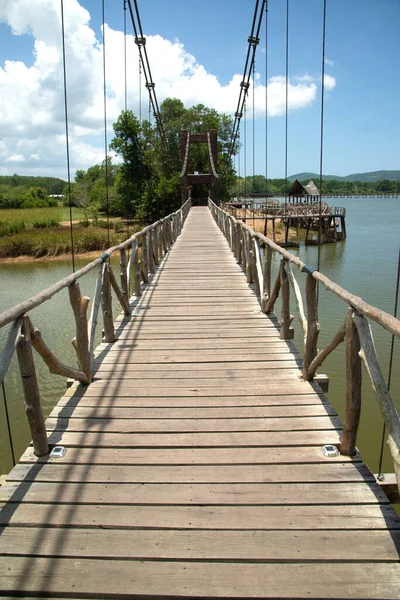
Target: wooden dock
[(194, 466)]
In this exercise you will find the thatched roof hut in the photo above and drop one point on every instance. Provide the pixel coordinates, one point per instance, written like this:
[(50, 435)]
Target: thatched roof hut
[(307, 193)]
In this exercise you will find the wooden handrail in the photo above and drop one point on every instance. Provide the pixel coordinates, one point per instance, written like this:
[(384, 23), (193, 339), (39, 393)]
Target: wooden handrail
[(377, 315), (22, 337), (27, 305), (355, 331)]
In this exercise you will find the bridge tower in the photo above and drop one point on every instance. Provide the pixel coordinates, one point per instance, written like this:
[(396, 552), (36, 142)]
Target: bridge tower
[(189, 179)]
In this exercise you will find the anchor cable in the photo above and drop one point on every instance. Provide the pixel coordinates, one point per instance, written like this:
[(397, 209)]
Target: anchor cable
[(67, 138), (396, 302)]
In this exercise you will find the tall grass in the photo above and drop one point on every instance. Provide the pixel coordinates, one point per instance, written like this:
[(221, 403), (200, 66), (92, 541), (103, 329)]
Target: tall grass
[(54, 242), (34, 215)]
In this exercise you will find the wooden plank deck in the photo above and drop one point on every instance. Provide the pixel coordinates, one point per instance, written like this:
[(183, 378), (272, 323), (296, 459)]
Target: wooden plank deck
[(194, 465)]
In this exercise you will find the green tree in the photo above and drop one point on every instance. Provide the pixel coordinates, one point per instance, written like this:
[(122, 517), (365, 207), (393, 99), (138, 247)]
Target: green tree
[(130, 146)]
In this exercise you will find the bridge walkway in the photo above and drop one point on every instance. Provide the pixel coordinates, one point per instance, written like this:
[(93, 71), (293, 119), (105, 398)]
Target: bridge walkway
[(194, 465)]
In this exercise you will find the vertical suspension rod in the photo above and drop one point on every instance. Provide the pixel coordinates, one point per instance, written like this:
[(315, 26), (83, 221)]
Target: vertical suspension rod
[(140, 41)]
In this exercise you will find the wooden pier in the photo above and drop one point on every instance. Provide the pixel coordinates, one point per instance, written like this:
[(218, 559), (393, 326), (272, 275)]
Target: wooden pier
[(194, 466)]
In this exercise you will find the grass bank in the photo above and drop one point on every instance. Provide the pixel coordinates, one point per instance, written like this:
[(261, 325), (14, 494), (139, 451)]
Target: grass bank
[(14, 220), (39, 243)]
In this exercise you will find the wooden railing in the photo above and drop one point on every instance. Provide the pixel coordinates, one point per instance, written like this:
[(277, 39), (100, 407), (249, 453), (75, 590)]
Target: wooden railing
[(291, 209), (154, 241), (253, 252)]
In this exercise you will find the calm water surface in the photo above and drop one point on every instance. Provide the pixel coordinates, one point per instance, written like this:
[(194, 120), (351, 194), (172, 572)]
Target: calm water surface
[(365, 264)]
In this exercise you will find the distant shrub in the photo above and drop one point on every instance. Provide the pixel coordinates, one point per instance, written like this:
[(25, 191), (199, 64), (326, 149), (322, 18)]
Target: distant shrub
[(11, 227), (44, 223)]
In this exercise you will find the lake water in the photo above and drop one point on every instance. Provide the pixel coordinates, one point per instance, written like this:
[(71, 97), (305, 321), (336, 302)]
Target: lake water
[(365, 264)]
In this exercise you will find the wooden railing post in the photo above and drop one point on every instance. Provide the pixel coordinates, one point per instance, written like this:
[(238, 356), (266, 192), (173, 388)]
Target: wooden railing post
[(150, 250), (136, 268), (353, 388), (266, 292), (106, 304), (249, 253), (239, 243), (144, 264), (257, 267), (310, 348), (124, 278), (286, 332), (118, 292), (31, 391), (79, 305)]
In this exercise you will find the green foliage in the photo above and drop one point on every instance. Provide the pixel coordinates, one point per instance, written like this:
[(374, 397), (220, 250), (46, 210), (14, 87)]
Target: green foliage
[(24, 197), (259, 185), (52, 185), (161, 196), (129, 144), (11, 227)]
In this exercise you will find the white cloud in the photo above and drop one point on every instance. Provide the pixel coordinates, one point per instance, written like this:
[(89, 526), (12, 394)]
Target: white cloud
[(329, 62), (15, 158), (32, 101), (329, 82)]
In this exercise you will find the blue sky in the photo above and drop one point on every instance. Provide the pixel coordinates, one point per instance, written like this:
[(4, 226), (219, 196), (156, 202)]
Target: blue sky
[(197, 52)]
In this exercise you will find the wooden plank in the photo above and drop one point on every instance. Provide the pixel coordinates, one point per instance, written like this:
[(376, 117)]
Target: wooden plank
[(191, 401), (359, 516), (319, 473), (217, 379), (193, 356), (125, 388), (274, 369), (170, 456), (195, 493), (204, 545), (133, 344), (193, 425), (250, 439), (167, 580), (211, 412)]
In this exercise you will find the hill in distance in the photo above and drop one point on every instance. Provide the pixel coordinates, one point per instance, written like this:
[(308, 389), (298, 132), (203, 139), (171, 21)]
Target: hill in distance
[(370, 177)]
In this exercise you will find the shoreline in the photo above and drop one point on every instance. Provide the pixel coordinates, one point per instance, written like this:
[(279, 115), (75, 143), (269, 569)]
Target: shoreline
[(24, 258)]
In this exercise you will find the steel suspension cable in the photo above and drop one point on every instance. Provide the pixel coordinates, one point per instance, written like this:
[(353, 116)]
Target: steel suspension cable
[(8, 423), (140, 91), (140, 41), (67, 136), (105, 122), (125, 100), (266, 116), (391, 355), (254, 132), (245, 159), (253, 42), (125, 62), (321, 147), (286, 104)]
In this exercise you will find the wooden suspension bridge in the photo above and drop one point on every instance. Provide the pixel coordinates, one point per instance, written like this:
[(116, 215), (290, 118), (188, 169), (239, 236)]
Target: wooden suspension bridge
[(194, 464)]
